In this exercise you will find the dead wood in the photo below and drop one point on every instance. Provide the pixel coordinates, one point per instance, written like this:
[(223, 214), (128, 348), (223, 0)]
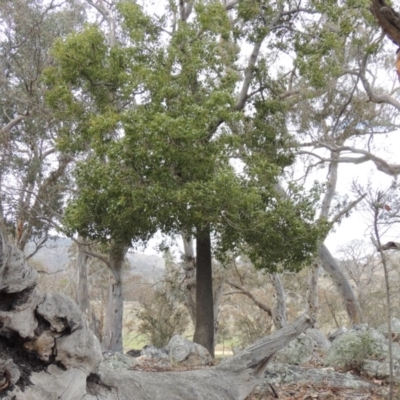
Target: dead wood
[(388, 19), (47, 351)]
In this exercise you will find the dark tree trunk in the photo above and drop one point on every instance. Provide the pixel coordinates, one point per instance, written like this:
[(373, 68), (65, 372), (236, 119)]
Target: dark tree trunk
[(204, 331)]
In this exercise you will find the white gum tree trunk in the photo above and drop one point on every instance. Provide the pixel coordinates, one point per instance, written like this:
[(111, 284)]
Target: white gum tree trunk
[(112, 334)]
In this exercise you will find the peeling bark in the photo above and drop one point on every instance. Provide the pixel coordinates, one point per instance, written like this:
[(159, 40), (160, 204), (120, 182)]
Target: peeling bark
[(83, 286), (112, 335), (82, 297), (312, 292), (279, 316), (388, 19), (46, 347), (189, 267)]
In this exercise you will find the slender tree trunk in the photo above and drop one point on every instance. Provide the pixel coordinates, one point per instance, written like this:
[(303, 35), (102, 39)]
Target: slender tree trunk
[(342, 284), (82, 296), (204, 330), (218, 292), (189, 267), (330, 265), (377, 211), (279, 316), (112, 337), (312, 292)]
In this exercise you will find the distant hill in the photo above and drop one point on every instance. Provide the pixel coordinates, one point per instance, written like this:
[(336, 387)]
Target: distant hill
[(54, 256)]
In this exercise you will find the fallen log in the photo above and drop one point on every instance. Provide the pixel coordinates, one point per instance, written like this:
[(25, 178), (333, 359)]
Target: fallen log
[(47, 351)]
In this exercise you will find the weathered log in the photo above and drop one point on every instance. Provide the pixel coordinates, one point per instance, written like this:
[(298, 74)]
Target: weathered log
[(47, 351), (234, 379), (46, 348)]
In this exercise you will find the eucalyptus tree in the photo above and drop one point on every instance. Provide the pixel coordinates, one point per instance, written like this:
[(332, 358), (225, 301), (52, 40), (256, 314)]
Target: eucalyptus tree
[(165, 111), (33, 174), (336, 113)]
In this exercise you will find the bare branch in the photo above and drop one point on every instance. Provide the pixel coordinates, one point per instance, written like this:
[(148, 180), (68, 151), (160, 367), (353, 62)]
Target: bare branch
[(331, 188), (241, 101), (381, 165), (107, 15), (101, 258), (298, 10), (379, 99), (347, 209), (39, 245), (14, 122), (242, 290)]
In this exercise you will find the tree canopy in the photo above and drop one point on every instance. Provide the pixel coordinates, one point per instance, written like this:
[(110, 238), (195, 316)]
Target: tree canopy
[(165, 121)]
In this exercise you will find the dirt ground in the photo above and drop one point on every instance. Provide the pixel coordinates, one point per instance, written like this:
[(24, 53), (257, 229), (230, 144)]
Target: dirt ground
[(310, 392)]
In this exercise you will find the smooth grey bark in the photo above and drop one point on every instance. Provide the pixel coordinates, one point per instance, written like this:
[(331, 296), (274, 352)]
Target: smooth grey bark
[(106, 10), (279, 315), (342, 284), (112, 334), (82, 295), (330, 265)]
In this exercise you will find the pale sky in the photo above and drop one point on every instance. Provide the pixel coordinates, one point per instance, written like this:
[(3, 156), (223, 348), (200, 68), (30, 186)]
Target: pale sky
[(358, 225)]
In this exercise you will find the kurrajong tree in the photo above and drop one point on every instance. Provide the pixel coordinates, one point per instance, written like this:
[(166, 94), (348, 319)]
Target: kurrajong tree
[(164, 113)]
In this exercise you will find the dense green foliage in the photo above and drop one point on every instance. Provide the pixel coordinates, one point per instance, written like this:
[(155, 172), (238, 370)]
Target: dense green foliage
[(161, 118)]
